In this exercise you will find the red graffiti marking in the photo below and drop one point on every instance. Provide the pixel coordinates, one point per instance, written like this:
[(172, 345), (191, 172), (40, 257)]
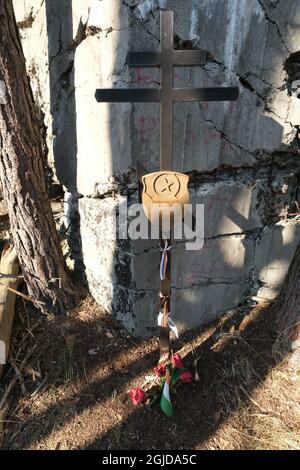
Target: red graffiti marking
[(177, 76), (143, 75), (146, 125)]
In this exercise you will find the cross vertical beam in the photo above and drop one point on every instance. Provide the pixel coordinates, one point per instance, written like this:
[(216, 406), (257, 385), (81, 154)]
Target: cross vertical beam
[(166, 79), (166, 59)]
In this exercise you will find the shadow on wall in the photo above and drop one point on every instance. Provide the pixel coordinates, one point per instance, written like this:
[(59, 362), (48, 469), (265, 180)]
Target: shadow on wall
[(223, 274), (63, 110), (223, 270)]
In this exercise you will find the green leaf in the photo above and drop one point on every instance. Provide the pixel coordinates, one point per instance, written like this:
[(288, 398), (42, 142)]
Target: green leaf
[(175, 376)]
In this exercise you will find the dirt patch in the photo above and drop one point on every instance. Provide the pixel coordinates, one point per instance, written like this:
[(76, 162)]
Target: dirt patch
[(73, 394)]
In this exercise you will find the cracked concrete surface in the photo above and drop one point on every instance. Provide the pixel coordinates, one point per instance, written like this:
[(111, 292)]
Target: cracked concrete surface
[(242, 157)]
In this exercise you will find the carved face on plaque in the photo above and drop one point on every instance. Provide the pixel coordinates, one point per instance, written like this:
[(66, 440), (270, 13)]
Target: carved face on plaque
[(164, 188)]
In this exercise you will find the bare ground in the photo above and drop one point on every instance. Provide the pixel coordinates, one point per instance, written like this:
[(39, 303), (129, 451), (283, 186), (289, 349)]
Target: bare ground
[(67, 381), (72, 394)]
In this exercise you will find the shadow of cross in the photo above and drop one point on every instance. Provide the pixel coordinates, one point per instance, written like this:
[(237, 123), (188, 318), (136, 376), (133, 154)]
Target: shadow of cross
[(166, 95)]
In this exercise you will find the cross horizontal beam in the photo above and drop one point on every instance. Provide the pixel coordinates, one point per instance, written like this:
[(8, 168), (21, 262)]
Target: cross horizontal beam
[(144, 95), (155, 59), (206, 94), (166, 59)]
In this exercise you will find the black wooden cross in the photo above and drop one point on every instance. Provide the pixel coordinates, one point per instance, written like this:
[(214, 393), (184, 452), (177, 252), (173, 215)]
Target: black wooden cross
[(167, 94)]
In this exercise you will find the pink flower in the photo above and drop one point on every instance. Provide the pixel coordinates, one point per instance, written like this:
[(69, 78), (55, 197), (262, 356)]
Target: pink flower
[(137, 395), (177, 361), (186, 376), (160, 370)]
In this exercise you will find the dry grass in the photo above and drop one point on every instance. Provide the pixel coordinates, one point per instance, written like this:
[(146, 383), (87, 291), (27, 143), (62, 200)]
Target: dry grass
[(247, 396), (267, 420)]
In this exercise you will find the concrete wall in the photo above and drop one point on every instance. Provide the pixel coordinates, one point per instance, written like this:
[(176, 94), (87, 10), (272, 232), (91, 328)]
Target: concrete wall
[(243, 157)]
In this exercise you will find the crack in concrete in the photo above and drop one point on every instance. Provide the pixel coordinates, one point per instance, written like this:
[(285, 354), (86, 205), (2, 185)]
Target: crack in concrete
[(148, 31), (123, 81), (266, 82), (28, 21), (93, 31), (225, 137), (246, 84), (242, 78), (142, 21), (209, 282), (267, 17), (251, 234)]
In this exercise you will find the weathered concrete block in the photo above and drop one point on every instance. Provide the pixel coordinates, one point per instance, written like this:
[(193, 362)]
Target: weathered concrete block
[(145, 271), (104, 145), (229, 207), (144, 314), (211, 281), (86, 47), (221, 260), (243, 156), (98, 237), (195, 306), (274, 252)]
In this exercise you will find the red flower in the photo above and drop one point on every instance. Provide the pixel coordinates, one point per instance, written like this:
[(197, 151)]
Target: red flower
[(186, 376), (177, 361), (137, 395), (160, 370)]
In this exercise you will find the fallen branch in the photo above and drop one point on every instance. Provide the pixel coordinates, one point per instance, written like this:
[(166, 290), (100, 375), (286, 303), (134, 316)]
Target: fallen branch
[(11, 289), (19, 376), (15, 378), (40, 387), (10, 276)]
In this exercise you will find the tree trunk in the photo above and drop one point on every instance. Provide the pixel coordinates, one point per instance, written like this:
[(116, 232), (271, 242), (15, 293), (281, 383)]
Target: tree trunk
[(23, 177), (287, 306)]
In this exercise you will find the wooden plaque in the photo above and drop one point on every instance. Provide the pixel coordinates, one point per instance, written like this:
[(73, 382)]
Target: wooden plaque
[(164, 188)]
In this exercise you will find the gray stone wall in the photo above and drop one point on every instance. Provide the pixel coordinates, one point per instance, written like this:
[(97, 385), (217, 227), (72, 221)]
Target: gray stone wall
[(242, 157)]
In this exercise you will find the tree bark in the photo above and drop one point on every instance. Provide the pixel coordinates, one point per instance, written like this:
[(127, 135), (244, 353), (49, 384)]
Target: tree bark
[(287, 305), (23, 178)]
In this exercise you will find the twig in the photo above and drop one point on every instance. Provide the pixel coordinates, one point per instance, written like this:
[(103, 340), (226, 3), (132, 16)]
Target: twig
[(27, 336), (35, 373), (15, 379), (10, 276), (39, 388), (252, 400), (27, 315), (3, 415), (87, 381), (19, 376), (21, 294)]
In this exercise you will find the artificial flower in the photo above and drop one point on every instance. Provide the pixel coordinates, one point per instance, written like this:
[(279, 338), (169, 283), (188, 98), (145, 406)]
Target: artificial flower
[(137, 395), (177, 361), (160, 370), (186, 376)]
